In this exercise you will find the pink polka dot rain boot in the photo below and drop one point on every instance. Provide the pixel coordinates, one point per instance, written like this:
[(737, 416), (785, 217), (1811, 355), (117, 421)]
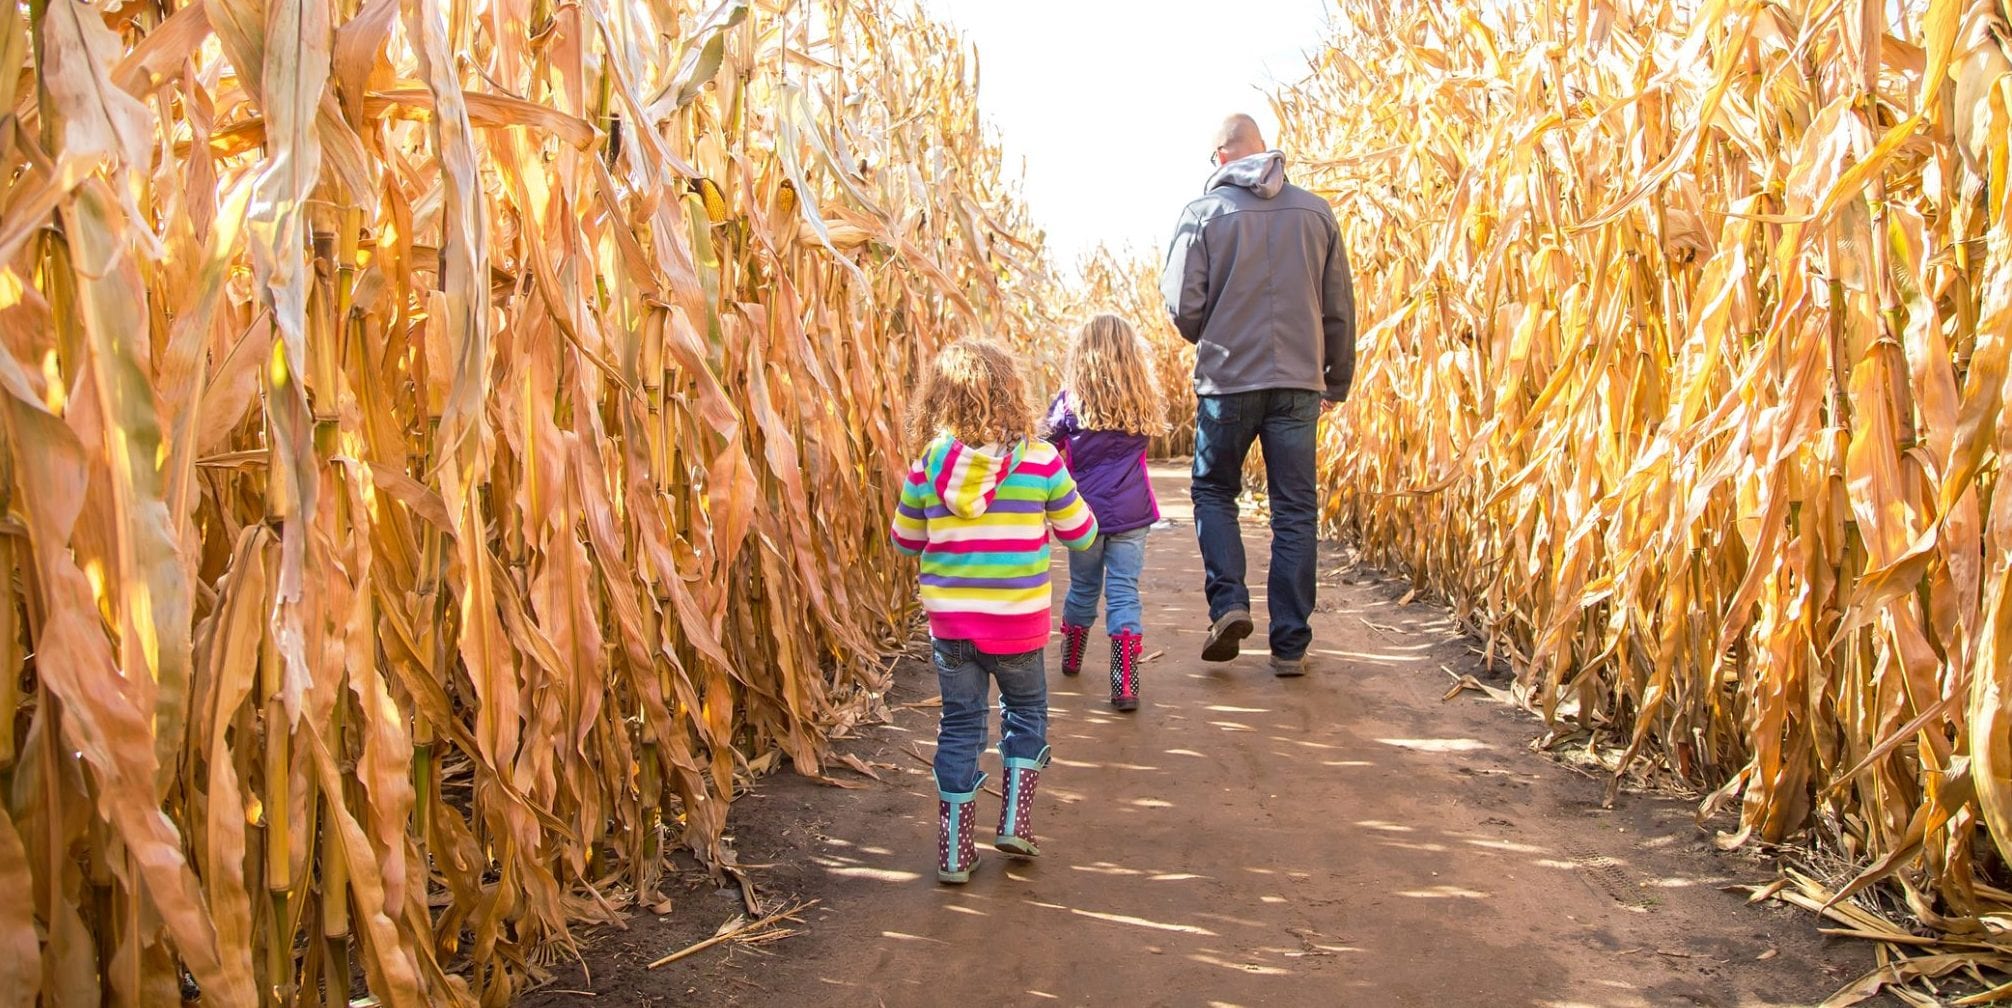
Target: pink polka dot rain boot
[(1126, 647), (1075, 641), (1016, 823), (955, 855)]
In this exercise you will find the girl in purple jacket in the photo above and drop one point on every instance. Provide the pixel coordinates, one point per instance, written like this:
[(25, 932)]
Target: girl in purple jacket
[(1107, 413)]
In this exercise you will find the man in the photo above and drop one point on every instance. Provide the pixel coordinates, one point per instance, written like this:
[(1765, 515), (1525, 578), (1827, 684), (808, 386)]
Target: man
[(1256, 278)]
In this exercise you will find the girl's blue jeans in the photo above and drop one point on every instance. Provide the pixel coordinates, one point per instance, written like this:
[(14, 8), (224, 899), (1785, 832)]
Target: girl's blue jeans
[(964, 674), (1110, 567)]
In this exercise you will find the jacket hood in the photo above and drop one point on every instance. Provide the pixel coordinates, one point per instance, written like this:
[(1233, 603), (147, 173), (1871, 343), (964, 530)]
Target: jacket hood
[(965, 478), (1263, 174)]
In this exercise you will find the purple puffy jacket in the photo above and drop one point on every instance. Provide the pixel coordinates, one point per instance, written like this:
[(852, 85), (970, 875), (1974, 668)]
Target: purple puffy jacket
[(1110, 469)]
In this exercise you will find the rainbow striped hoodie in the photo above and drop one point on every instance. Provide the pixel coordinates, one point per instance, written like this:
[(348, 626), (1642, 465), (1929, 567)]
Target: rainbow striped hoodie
[(979, 519)]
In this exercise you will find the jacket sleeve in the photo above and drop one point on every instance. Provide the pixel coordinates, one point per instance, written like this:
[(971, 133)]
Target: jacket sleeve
[(1060, 421), (1068, 513), (1184, 282), (1059, 426), (1337, 322), (911, 521)]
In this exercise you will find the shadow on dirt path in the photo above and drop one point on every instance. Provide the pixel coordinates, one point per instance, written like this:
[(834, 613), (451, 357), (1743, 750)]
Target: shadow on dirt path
[(1343, 839)]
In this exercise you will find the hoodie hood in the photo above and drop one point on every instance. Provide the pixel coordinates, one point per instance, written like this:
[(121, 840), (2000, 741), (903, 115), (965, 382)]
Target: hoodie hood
[(964, 477), (1263, 174)]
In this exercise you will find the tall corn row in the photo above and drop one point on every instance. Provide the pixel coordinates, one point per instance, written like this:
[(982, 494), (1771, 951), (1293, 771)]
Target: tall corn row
[(441, 444), (1685, 374)]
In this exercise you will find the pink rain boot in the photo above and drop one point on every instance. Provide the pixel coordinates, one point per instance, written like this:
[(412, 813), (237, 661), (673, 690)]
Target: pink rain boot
[(955, 855), (1126, 647), (1016, 813), (1075, 641)]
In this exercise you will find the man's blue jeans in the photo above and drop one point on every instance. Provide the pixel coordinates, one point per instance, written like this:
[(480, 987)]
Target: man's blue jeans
[(1283, 422), (1110, 568), (964, 674)]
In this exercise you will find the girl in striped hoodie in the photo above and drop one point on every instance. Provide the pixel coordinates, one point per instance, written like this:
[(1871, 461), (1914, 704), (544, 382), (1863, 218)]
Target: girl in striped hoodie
[(977, 508)]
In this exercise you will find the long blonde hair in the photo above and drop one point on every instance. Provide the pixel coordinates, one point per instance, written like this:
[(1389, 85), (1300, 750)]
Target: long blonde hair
[(1109, 375), (973, 391)]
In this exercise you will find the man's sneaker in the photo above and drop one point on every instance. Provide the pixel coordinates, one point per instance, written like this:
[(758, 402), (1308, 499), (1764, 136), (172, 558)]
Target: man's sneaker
[(1224, 634), (1286, 668)]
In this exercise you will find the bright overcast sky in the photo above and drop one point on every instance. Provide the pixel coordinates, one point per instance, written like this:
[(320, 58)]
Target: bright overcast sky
[(1109, 104)]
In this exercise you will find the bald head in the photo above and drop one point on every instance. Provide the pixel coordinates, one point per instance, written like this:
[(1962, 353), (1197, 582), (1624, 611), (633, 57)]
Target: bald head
[(1238, 137)]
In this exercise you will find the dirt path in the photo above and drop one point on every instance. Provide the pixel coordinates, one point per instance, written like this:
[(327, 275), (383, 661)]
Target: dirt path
[(1344, 839)]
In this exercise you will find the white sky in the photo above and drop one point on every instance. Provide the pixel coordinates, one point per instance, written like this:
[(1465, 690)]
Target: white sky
[(1109, 104)]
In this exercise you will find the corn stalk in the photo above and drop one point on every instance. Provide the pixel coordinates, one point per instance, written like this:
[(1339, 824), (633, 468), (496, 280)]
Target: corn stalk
[(1685, 376), (442, 446)]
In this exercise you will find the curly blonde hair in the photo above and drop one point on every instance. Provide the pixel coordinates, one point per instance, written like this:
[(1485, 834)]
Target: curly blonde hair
[(975, 393), (1109, 375)]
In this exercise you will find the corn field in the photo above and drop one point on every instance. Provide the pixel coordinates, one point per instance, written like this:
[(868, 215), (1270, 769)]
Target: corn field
[(1685, 375), (445, 445)]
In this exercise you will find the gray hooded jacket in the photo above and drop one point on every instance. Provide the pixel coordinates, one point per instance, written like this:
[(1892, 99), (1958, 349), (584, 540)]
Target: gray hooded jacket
[(1257, 279)]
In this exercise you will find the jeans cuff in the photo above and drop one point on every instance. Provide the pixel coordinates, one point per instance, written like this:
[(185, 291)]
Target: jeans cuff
[(960, 796), (1037, 761)]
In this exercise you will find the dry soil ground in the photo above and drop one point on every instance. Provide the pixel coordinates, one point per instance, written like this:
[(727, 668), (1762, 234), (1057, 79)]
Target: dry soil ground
[(1343, 839)]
